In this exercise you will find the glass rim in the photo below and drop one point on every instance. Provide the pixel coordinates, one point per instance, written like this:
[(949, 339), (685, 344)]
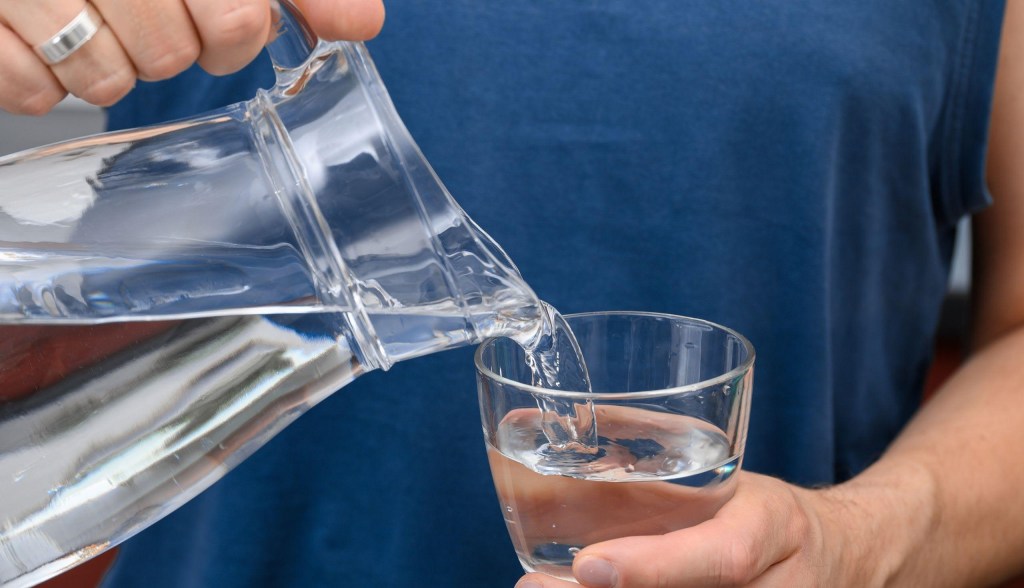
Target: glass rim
[(744, 367)]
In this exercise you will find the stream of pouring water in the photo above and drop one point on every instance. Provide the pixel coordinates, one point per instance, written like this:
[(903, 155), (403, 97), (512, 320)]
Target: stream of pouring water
[(556, 363)]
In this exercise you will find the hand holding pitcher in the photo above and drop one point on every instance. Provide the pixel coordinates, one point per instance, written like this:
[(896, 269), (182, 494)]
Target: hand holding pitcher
[(97, 50)]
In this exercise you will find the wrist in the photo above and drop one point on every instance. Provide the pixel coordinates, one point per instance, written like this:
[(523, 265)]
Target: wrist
[(876, 524)]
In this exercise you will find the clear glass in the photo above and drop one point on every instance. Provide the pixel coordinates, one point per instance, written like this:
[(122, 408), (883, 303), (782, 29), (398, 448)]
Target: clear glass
[(171, 297), (671, 401)]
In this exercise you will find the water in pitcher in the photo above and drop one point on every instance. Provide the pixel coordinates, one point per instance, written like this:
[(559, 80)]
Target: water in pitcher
[(159, 278), (131, 381), (139, 417), (135, 374)]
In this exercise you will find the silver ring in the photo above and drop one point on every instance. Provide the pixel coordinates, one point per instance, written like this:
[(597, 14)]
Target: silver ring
[(70, 38)]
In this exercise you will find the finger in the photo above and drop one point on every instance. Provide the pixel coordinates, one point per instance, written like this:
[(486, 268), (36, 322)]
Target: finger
[(543, 581), (713, 554), (354, 20), (157, 35), (708, 555), (231, 32), (98, 72), (762, 525), (28, 85)]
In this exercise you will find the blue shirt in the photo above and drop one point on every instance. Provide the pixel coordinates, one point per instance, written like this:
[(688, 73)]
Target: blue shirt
[(793, 169)]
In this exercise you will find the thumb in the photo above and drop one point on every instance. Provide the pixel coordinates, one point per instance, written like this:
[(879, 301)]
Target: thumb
[(344, 20), (707, 555)]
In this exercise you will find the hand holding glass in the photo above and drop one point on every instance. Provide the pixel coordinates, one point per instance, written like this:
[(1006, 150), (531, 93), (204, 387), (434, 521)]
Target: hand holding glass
[(670, 401)]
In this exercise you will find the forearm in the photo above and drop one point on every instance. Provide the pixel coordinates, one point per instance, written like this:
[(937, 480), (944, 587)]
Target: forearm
[(943, 506)]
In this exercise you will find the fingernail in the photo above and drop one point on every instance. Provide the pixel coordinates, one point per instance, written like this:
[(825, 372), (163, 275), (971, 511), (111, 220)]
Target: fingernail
[(528, 584), (596, 572)]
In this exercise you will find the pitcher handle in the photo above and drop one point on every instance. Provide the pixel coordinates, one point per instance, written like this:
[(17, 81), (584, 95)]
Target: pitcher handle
[(294, 43)]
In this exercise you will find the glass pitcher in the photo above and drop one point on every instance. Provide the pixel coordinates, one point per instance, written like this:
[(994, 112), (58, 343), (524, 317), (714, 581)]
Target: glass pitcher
[(171, 297)]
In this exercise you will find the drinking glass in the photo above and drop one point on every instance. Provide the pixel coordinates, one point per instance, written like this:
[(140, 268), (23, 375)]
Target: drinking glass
[(670, 400)]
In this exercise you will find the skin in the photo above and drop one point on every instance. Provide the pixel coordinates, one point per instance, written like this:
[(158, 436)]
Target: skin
[(942, 507), (149, 40)]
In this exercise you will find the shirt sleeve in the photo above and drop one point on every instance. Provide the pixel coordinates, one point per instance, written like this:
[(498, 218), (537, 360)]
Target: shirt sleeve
[(965, 125)]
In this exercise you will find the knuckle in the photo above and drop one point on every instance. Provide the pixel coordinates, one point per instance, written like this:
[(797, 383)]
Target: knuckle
[(799, 523), (796, 523), (106, 90), (168, 61), (736, 566), (240, 23)]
